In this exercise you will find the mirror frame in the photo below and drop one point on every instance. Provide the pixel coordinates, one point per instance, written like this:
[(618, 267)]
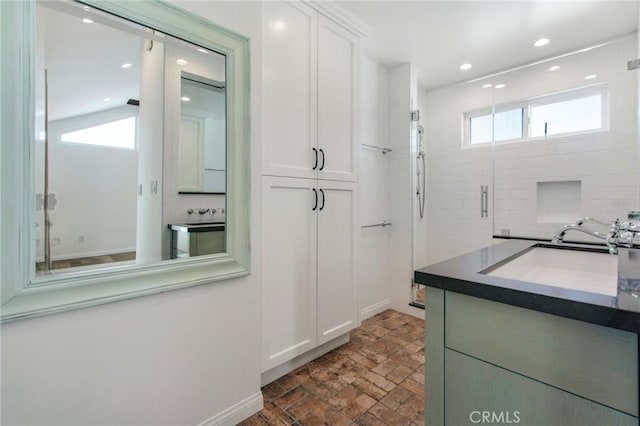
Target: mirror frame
[(23, 296)]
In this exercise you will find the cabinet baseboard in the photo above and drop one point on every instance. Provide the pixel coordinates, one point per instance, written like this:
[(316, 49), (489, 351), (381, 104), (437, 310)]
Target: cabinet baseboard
[(287, 367), (374, 309)]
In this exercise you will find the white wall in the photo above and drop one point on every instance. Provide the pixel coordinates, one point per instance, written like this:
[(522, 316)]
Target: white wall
[(174, 358), (373, 281), (88, 192)]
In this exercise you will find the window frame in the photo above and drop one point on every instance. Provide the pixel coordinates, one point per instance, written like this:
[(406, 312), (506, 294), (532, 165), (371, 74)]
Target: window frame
[(527, 104), (24, 296), (570, 95), (489, 111)]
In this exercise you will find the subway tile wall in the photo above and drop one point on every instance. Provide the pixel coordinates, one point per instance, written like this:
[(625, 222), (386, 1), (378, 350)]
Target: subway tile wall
[(605, 163)]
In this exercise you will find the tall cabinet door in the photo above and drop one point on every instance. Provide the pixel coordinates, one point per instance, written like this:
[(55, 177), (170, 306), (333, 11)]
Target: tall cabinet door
[(337, 101), (337, 226), (290, 90), (289, 269)]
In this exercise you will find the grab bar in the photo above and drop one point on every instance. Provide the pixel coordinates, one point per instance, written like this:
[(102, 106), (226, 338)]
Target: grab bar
[(384, 150), (383, 224)]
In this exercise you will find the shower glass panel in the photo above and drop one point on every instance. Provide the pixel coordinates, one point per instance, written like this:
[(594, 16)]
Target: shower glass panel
[(578, 155), (456, 171)]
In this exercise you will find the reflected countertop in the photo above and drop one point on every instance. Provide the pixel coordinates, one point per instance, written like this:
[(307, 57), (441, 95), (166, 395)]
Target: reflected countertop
[(463, 274), (197, 226)]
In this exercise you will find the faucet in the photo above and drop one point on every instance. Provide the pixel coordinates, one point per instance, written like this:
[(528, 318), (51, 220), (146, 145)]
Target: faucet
[(611, 238), (583, 220), (559, 237)]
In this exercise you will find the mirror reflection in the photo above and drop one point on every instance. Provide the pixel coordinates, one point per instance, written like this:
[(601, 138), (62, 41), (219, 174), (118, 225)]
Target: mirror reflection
[(109, 158), (202, 135)]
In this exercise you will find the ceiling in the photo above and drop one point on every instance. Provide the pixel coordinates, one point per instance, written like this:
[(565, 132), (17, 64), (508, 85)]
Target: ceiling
[(439, 36)]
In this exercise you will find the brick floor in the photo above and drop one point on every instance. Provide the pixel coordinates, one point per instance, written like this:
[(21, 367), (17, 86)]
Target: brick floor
[(375, 379)]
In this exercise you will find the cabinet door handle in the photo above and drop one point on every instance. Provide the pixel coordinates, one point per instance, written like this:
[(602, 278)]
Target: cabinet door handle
[(315, 193), (322, 152), (322, 206), (315, 165)]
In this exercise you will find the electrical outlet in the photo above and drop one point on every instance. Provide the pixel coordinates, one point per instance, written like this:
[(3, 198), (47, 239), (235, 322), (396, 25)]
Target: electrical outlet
[(55, 241), (81, 239)]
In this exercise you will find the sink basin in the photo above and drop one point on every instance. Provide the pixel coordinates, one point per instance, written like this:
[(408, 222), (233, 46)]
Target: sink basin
[(591, 271)]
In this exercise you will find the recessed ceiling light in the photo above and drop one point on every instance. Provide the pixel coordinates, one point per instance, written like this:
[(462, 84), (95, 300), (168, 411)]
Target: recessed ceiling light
[(181, 62), (486, 86), (87, 21), (106, 99), (200, 49), (185, 99), (554, 67), (500, 86), (541, 42), (465, 67), (125, 66), (279, 26), (590, 77)]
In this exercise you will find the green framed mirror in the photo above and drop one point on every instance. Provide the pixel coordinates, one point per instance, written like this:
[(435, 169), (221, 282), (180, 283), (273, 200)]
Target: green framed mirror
[(27, 293)]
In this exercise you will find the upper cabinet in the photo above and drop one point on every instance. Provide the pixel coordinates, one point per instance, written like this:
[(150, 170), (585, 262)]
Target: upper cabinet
[(310, 95), (337, 98)]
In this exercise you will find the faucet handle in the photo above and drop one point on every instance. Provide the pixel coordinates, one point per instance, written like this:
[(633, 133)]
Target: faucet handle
[(615, 225)]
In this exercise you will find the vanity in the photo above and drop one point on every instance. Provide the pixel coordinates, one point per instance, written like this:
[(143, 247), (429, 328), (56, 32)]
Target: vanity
[(196, 239), (535, 334)]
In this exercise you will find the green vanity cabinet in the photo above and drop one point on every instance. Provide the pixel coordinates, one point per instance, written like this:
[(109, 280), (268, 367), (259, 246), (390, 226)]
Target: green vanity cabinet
[(197, 239), (477, 390), (499, 363)]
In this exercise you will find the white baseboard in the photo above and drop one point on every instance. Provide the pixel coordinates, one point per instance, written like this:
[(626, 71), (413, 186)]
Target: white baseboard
[(374, 309), (287, 367), (410, 310), (238, 412)]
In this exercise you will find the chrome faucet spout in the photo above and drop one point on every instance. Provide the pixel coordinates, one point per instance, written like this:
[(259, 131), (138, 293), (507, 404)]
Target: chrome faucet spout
[(612, 238), (584, 220), (559, 237)]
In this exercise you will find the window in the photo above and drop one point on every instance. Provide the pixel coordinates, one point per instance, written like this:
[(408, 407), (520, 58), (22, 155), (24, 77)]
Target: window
[(114, 134), (575, 111), (506, 125), (549, 117)]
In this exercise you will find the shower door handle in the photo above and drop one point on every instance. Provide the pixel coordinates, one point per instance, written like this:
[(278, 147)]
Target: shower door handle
[(484, 201)]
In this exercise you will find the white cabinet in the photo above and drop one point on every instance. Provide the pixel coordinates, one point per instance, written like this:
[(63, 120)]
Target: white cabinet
[(310, 181), (310, 95), (308, 289), (337, 218), (288, 269), (337, 100)]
